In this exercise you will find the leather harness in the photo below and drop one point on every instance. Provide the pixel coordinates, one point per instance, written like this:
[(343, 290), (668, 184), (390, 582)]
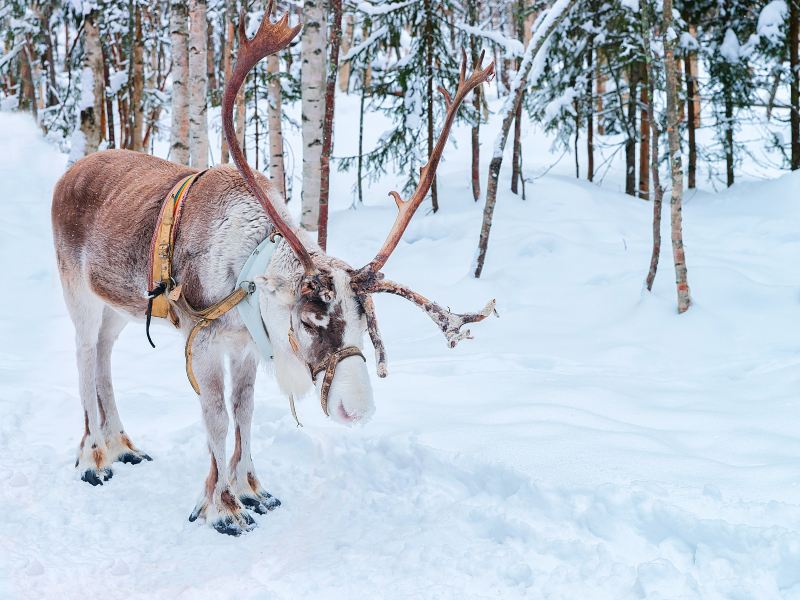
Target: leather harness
[(164, 295)]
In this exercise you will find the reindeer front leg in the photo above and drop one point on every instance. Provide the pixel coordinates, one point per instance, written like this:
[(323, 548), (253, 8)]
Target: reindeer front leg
[(218, 505), (243, 478)]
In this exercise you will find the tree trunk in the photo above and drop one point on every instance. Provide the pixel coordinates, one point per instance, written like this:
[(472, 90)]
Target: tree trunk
[(52, 98), (277, 171), (692, 122), (600, 78), (590, 112), (312, 79), (179, 37), (347, 43), (548, 24), (630, 131), (644, 142), (109, 103), (241, 120), (728, 135), (676, 168), (794, 81), (516, 151), (429, 92), (327, 126), (91, 101), (211, 72), (360, 163), (658, 191), (227, 64), (137, 82), (473, 9), (198, 84), (256, 118), (28, 90)]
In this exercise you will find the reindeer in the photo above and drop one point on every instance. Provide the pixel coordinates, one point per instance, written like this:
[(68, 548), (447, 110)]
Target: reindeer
[(315, 308)]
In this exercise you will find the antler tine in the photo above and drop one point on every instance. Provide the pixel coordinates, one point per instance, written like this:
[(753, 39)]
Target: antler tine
[(449, 322), (407, 208), (374, 334), (269, 39)]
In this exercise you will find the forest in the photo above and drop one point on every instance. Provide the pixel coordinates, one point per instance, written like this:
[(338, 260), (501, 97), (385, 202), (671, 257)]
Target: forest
[(618, 188), (687, 92)]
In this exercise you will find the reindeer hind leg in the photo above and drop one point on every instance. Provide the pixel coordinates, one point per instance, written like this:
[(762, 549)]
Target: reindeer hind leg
[(120, 447), (86, 311)]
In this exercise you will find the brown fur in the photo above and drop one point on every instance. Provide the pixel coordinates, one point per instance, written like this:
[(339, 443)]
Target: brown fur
[(211, 480), (104, 212), (237, 449), (99, 457)]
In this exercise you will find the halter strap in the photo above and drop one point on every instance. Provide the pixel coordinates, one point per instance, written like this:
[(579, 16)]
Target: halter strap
[(329, 365)]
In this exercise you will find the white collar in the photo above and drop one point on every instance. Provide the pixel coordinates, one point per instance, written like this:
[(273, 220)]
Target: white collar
[(249, 309)]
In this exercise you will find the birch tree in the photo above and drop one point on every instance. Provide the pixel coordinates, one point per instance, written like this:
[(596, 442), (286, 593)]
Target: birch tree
[(327, 127), (198, 84), (548, 24), (277, 170), (676, 167), (137, 80), (179, 37), (312, 80), (87, 137)]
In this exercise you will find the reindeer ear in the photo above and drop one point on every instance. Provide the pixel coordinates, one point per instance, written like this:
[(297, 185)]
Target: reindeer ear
[(275, 284)]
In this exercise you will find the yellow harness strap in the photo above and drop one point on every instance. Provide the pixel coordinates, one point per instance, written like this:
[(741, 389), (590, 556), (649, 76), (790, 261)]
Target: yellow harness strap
[(162, 247), (163, 244), (203, 318)]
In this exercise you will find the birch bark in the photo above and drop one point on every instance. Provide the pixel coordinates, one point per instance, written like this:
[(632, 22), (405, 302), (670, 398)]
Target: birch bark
[(92, 86), (327, 126), (277, 171), (553, 19), (137, 83), (227, 64), (676, 167), (179, 37), (198, 84), (312, 81)]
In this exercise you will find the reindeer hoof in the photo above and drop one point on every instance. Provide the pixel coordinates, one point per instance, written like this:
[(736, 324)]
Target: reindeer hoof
[(228, 517), (261, 504), (97, 476), (235, 526), (133, 458)]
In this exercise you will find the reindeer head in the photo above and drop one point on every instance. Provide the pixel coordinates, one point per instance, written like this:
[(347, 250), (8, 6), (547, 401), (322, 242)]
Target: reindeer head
[(317, 317)]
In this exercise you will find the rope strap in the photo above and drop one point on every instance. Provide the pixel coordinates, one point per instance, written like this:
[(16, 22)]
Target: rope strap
[(329, 366), (204, 318)]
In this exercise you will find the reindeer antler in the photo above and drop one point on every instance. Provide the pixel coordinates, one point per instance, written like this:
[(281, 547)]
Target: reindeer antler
[(369, 280), (269, 39), (407, 208), (449, 322)]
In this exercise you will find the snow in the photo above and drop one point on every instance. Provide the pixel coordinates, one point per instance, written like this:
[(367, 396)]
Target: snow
[(589, 443), (511, 46), (367, 43), (535, 56), (730, 49), (87, 89), (382, 8), (771, 20)]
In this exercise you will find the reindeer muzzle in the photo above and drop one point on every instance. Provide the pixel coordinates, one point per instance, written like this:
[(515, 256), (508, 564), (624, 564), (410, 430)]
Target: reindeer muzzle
[(329, 365)]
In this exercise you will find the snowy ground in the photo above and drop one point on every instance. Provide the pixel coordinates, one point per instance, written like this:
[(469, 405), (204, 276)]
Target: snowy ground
[(590, 443)]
